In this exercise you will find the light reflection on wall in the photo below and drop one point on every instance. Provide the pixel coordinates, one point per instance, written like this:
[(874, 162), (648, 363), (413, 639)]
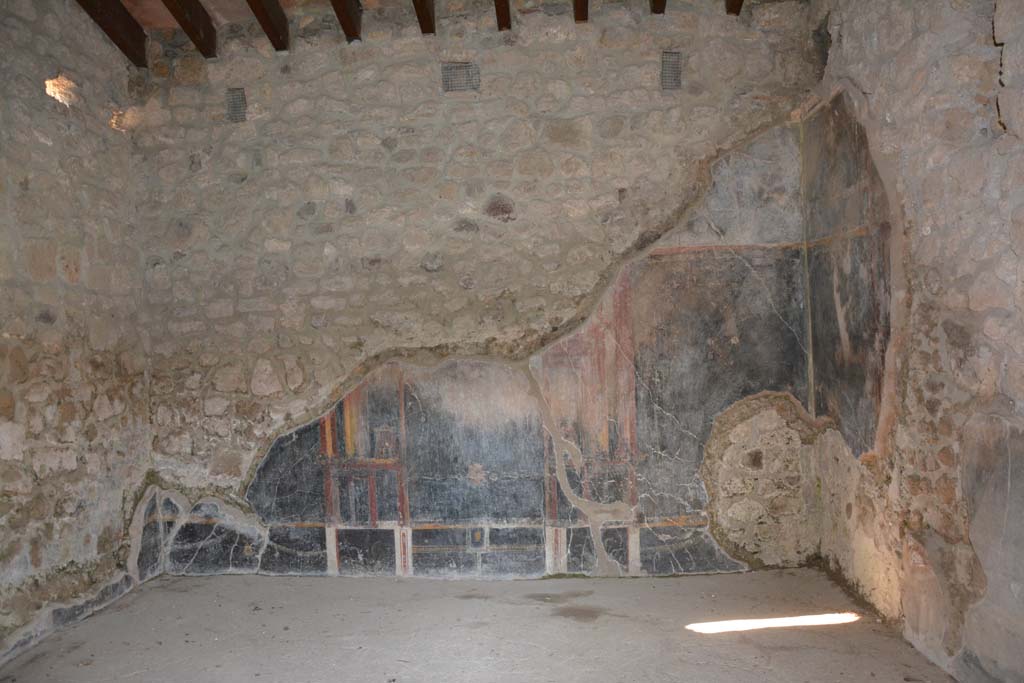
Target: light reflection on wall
[(62, 89)]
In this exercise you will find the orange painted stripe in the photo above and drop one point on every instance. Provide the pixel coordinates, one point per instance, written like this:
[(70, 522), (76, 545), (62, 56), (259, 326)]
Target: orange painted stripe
[(328, 436), (682, 520)]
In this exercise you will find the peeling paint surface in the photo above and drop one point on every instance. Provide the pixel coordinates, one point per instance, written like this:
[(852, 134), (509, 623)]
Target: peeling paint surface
[(490, 468), (847, 232)]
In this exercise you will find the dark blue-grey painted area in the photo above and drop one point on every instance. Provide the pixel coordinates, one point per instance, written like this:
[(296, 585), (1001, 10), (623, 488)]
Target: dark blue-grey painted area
[(715, 326), (514, 552), (442, 552), (674, 550), (487, 469), (294, 550), (289, 484), (847, 272), (366, 552), (849, 279), (209, 544), (580, 550)]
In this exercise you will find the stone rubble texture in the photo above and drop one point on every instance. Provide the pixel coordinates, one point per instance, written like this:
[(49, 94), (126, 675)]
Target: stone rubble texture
[(930, 531), (74, 405), (760, 469), (180, 289)]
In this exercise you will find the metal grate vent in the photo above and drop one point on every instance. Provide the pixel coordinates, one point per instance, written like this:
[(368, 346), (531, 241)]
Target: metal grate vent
[(671, 70), (236, 104), (459, 76)]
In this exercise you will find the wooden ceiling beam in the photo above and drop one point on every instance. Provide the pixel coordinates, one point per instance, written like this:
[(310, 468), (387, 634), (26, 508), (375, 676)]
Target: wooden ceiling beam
[(273, 20), (350, 16), (504, 14), (733, 6), (195, 22), (580, 11), (425, 15), (120, 26), (658, 6)]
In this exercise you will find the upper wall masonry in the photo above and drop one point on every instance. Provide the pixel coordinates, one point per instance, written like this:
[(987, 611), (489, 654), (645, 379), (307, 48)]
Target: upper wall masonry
[(124, 22), (359, 210)]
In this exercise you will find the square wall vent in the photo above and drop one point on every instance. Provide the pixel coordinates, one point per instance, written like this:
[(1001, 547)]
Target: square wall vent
[(237, 106), (460, 76), (671, 70)]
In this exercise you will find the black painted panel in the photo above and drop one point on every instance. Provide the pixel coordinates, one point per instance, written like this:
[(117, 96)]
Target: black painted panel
[(675, 550), (295, 550), (366, 552), (516, 551), (616, 543), (850, 341), (210, 548), (289, 484), (516, 536), (383, 416), (580, 549), (518, 563), (354, 497), (443, 552)]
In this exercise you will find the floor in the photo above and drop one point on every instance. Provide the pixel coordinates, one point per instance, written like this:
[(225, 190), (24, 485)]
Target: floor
[(257, 628)]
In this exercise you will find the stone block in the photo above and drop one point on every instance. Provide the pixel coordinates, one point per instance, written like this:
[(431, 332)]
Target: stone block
[(40, 259)]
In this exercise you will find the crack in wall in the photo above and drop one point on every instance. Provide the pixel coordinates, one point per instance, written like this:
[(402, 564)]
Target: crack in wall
[(1002, 84), (522, 349)]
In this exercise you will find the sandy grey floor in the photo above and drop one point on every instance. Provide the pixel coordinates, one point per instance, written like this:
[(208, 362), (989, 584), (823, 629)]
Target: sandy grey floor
[(253, 628)]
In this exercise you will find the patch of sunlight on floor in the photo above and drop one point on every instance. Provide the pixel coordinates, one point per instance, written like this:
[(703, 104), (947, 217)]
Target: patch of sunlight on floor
[(780, 622)]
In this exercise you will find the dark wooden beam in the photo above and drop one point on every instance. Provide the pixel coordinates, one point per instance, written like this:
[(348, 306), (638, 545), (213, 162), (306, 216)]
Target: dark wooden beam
[(194, 21), (658, 6), (350, 16), (580, 10), (733, 6), (120, 27), (504, 14), (273, 20), (425, 15)]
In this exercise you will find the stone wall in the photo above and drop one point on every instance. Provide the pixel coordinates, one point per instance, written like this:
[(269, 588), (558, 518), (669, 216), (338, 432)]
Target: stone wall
[(73, 389), (936, 86), (358, 213), (361, 213), (849, 280), (583, 459), (670, 421)]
